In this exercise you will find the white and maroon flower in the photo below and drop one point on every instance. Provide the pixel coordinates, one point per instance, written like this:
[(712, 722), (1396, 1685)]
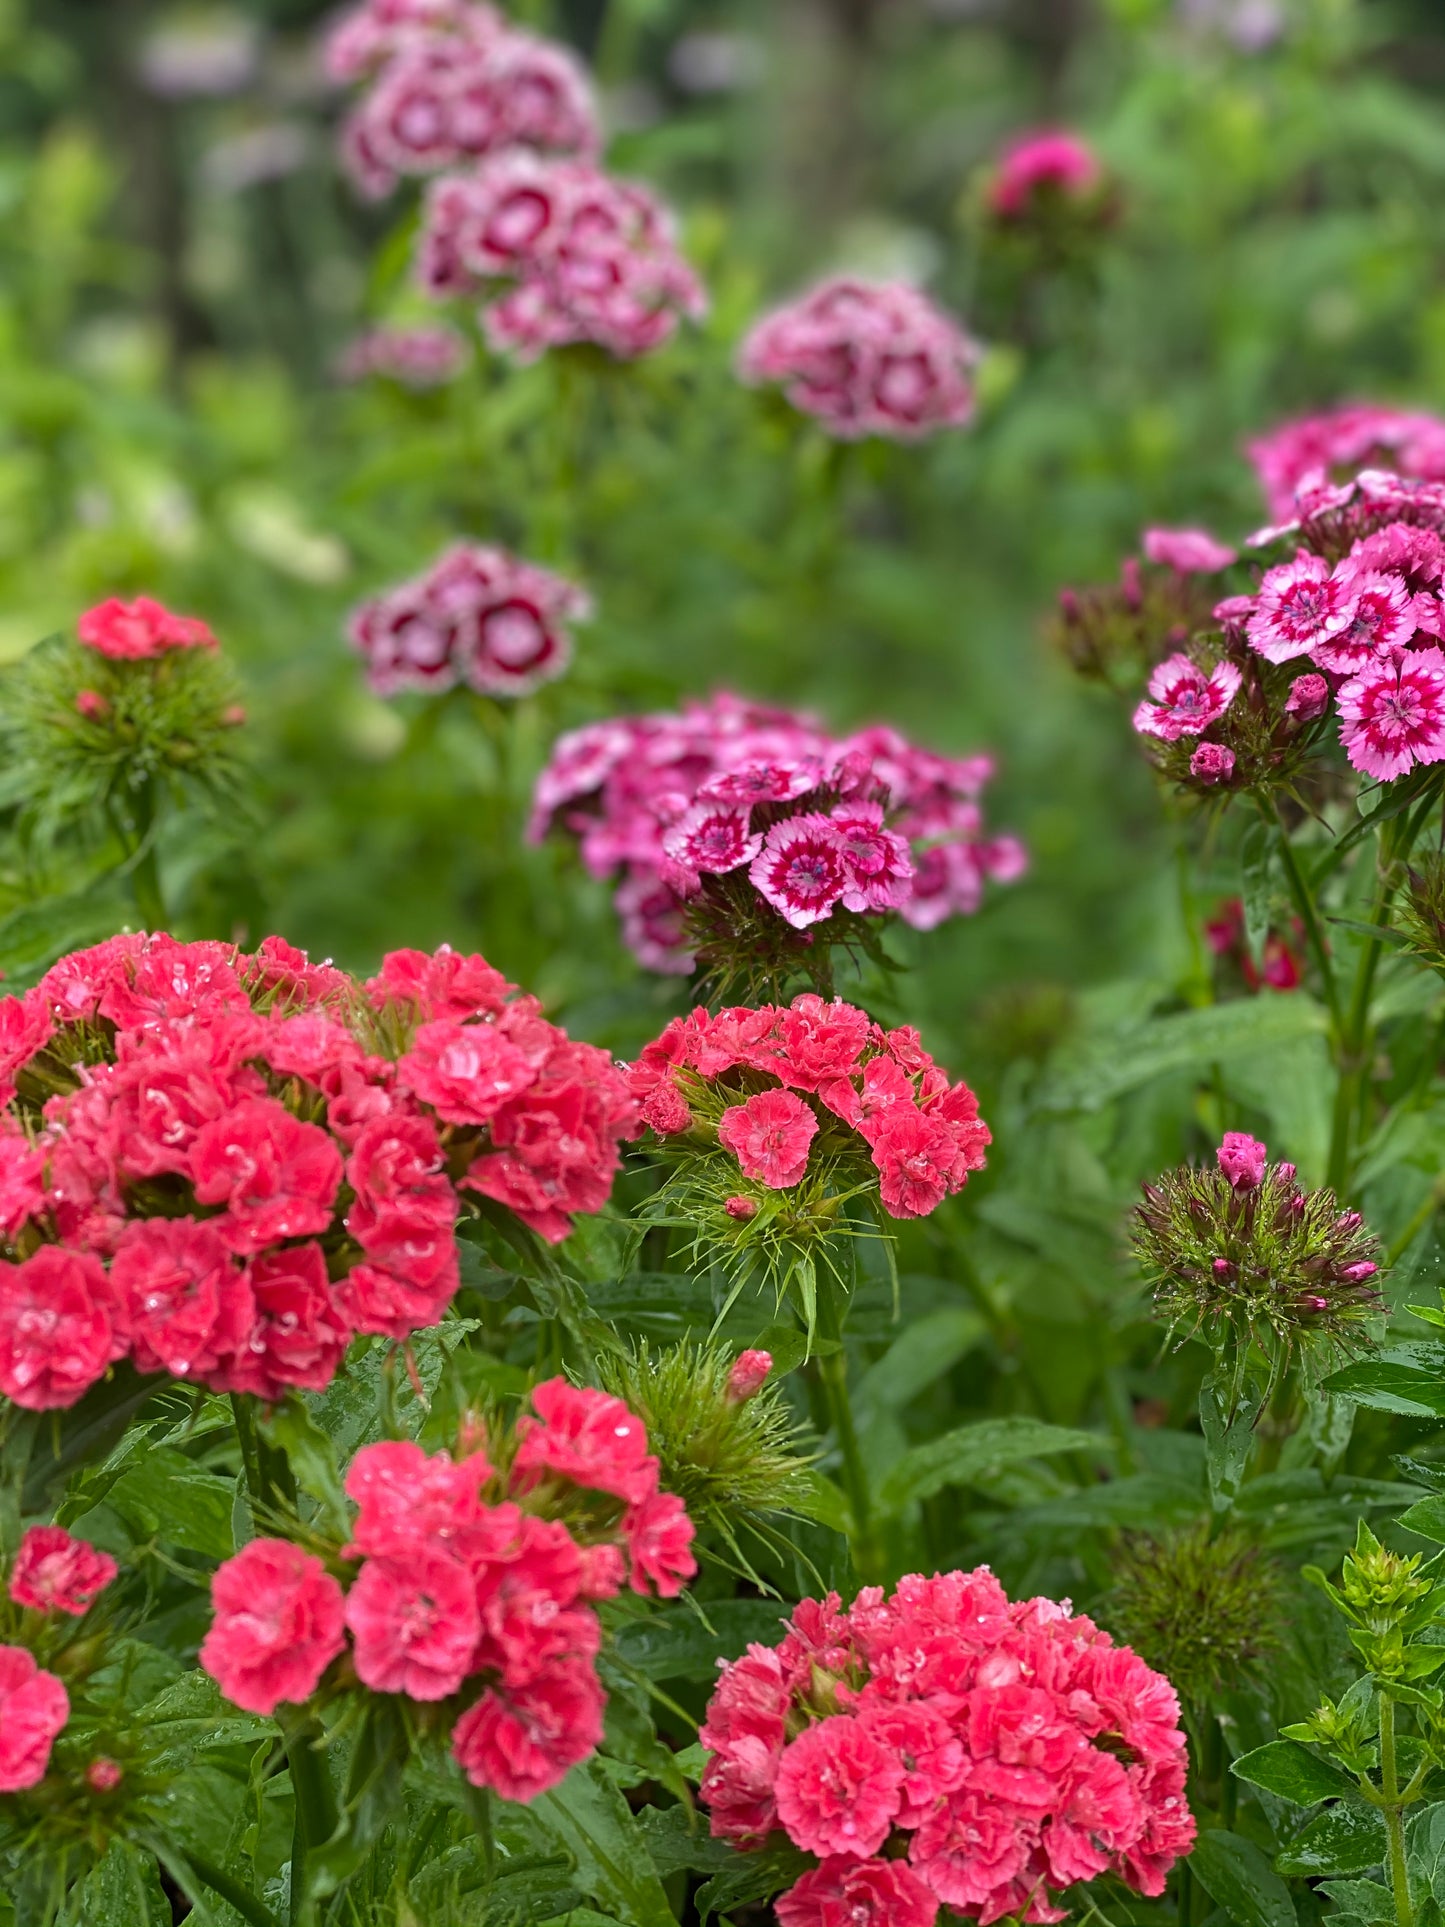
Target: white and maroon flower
[(1183, 700), (802, 869), (1393, 714)]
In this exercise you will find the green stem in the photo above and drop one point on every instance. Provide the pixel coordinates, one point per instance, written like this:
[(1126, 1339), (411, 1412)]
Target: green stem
[(1186, 1894), (145, 876), (1394, 1815), (833, 1376), (1353, 1050), (1304, 903), (315, 1799)]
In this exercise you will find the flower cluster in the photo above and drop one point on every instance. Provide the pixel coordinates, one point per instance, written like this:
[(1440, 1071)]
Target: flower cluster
[(866, 359), (1339, 442), (415, 357), (1049, 164), (1117, 632), (586, 257), (814, 1088), (139, 631), (447, 84), (224, 1167), (1244, 1258), (470, 1583), (733, 821), (947, 1747), (478, 616), (51, 1573)]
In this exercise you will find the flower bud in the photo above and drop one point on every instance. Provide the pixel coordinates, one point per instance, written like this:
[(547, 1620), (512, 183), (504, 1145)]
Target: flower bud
[(90, 704), (1212, 763), (741, 1208), (748, 1375), (1309, 696), (1242, 1159), (234, 716), (103, 1775)]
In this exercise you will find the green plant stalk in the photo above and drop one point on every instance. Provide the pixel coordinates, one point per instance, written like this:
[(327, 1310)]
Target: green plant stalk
[(145, 876), (1393, 1809), (316, 1815), (1309, 916), (833, 1376)]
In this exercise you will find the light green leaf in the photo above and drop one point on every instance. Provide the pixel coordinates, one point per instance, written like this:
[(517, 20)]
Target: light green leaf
[(973, 1451), (1183, 1041), (164, 1495), (1237, 1874), (1228, 1437), (1292, 1772), (1390, 1386), (919, 1355)]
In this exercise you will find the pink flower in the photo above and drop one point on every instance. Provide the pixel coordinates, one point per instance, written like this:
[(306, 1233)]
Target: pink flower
[(1189, 551), (802, 869), (55, 1573), (184, 1302), (299, 1336), (522, 1740), (769, 1135), (26, 1028), (135, 631), (443, 984), (466, 1072), (843, 1892), (103, 1775), (1242, 1159), (1183, 700), (90, 704), (22, 1179), (278, 1176), (1050, 159), (876, 860), (587, 1437), (838, 1789), (277, 1625), (866, 358), (414, 1623), (1393, 714), (1212, 763), (915, 1157), (415, 357), (1344, 440), (1309, 697), (34, 1706), (748, 1376), (1376, 620), (1300, 605), (56, 1331), (712, 838), (409, 1498), (659, 1537)]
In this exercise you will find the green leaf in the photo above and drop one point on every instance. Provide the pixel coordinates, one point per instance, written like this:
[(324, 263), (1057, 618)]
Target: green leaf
[(756, 1876), (1343, 1839), (1427, 1517), (1237, 1874), (164, 1495), (371, 1800), (590, 1818), (1292, 1772), (42, 1449), (1391, 1387), (928, 1348), (683, 1644), (973, 1451), (1256, 851), (123, 1891), (1228, 1437), (1361, 1900), (33, 937), (1183, 1041), (679, 1841), (313, 1458)]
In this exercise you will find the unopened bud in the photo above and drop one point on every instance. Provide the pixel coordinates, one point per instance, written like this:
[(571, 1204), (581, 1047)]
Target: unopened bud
[(1069, 604), (1132, 583), (1349, 1221), (1286, 1173), (741, 1208), (1359, 1272), (746, 1378), (103, 1775), (90, 704), (1223, 1268), (234, 716), (1242, 1159)]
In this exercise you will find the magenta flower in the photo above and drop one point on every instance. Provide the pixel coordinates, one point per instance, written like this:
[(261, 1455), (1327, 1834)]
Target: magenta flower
[(866, 358), (415, 357), (1341, 441), (1049, 158), (1189, 551), (1377, 619), (1309, 697), (54, 1573), (769, 1136), (1183, 700), (1212, 763), (713, 838), (1242, 1159), (1300, 604), (802, 869), (1393, 714), (877, 860), (277, 1625)]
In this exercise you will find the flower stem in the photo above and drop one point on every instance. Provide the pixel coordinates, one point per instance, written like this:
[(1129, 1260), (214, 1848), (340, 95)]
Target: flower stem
[(1309, 916), (316, 1816), (1394, 1815), (145, 876), (833, 1376)]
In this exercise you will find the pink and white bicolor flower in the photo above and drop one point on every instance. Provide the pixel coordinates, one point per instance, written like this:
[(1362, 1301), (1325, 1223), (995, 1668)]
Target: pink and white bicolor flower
[(1183, 700)]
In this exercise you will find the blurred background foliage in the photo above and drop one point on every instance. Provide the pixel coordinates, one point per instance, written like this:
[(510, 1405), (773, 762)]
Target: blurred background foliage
[(180, 264)]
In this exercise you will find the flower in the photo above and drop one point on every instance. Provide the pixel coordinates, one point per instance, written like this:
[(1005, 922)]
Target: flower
[(1300, 604), (466, 1072), (34, 1706), (587, 1437), (769, 1135), (277, 1175), (277, 1625), (414, 1623), (415, 357), (184, 1302), (55, 1573), (748, 1375), (521, 1740), (712, 838), (1376, 619), (1309, 697), (1212, 763), (103, 1775), (1344, 440), (866, 358), (838, 1789), (408, 1498), (1392, 714), (844, 1892), (56, 1331), (659, 1534), (1189, 551), (1049, 160), (137, 631), (1242, 1159), (1183, 699), (801, 869), (300, 1333)]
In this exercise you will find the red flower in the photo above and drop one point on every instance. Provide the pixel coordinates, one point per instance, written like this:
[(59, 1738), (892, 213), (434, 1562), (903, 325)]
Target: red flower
[(770, 1135), (857, 1893), (466, 1072), (184, 1302), (278, 1176), (135, 631), (409, 1498), (659, 1538), (34, 1706), (587, 1437), (25, 1029), (529, 1580), (171, 979), (22, 1179), (414, 1623), (818, 1041), (277, 1625), (56, 1331), (299, 1336), (54, 1573), (525, 1739), (444, 985), (838, 1789), (915, 1159)]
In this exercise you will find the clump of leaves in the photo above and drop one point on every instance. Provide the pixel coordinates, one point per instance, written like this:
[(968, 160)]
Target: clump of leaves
[(1202, 1609)]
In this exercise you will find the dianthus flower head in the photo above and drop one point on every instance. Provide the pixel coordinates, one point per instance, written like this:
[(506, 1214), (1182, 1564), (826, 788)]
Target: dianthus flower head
[(866, 358), (136, 631), (1044, 160), (1184, 699), (1341, 441), (1376, 621), (34, 1706), (1392, 714), (770, 1135), (54, 1573), (587, 1437), (277, 1625), (1188, 551)]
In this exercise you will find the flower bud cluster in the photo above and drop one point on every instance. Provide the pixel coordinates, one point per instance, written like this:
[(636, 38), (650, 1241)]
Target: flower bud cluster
[(52, 1574), (225, 1166), (947, 1747), (467, 1585), (1390, 1601), (1243, 1256)]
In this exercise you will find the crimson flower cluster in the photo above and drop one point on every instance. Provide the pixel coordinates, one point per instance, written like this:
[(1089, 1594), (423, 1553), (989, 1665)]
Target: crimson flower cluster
[(731, 815), (866, 359), (467, 1583), (225, 1167), (947, 1747), (52, 1573), (1048, 162), (479, 616), (1337, 443), (140, 631), (452, 83), (583, 256), (812, 1086), (415, 357)]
